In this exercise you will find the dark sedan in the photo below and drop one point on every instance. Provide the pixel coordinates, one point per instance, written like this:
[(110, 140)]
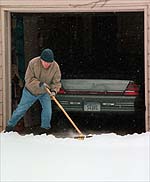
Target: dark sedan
[(98, 95)]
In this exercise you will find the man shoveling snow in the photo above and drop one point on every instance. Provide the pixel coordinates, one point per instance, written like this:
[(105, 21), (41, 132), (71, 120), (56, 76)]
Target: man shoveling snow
[(42, 71)]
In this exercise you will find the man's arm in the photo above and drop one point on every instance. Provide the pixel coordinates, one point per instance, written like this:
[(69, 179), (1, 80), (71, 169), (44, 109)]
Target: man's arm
[(56, 81), (32, 83)]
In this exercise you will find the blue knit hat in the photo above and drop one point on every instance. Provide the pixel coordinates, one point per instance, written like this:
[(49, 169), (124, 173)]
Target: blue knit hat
[(47, 55)]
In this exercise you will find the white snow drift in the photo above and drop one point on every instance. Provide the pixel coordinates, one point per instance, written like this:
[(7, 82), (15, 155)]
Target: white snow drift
[(105, 157)]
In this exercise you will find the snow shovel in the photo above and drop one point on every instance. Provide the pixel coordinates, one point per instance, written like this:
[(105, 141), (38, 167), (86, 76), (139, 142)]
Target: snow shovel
[(81, 135)]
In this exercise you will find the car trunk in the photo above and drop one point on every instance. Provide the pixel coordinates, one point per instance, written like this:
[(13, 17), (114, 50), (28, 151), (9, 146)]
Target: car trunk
[(95, 85)]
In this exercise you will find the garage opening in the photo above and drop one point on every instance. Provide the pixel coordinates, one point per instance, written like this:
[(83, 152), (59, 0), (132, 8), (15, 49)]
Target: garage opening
[(87, 46)]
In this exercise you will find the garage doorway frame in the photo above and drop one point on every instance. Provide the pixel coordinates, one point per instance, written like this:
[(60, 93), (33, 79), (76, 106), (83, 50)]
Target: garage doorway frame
[(6, 44)]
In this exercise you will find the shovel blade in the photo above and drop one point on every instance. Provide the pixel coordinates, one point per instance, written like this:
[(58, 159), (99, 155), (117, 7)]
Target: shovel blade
[(82, 137)]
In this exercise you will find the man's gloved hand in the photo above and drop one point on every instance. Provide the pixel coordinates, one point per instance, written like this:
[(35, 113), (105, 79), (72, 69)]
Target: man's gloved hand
[(43, 85), (53, 93)]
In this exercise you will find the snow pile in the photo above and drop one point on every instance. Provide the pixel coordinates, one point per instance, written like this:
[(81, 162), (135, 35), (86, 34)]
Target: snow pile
[(105, 157)]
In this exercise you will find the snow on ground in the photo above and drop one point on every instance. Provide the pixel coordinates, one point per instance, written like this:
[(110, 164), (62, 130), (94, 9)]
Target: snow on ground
[(105, 157)]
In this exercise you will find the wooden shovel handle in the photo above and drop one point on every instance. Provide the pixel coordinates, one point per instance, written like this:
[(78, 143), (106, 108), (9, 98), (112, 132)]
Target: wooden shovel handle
[(60, 106)]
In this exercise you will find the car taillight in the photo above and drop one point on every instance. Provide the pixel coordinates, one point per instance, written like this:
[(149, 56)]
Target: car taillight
[(61, 91), (132, 89)]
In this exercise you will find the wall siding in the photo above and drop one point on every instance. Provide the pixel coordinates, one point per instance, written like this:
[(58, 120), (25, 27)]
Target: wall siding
[(76, 4), (1, 75), (148, 36), (70, 3)]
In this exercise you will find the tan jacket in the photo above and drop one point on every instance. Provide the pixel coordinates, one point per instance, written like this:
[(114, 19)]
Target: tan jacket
[(36, 73)]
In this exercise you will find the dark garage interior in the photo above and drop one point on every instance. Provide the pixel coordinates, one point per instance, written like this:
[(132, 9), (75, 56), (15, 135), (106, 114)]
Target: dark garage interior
[(86, 45)]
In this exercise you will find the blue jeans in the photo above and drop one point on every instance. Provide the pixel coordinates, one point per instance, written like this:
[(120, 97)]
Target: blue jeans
[(27, 100)]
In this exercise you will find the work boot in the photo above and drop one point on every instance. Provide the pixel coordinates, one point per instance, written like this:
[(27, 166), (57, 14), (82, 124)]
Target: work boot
[(40, 131), (28, 130), (9, 129)]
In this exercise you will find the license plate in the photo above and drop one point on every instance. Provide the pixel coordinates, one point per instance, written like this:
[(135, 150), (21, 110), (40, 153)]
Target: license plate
[(92, 106)]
